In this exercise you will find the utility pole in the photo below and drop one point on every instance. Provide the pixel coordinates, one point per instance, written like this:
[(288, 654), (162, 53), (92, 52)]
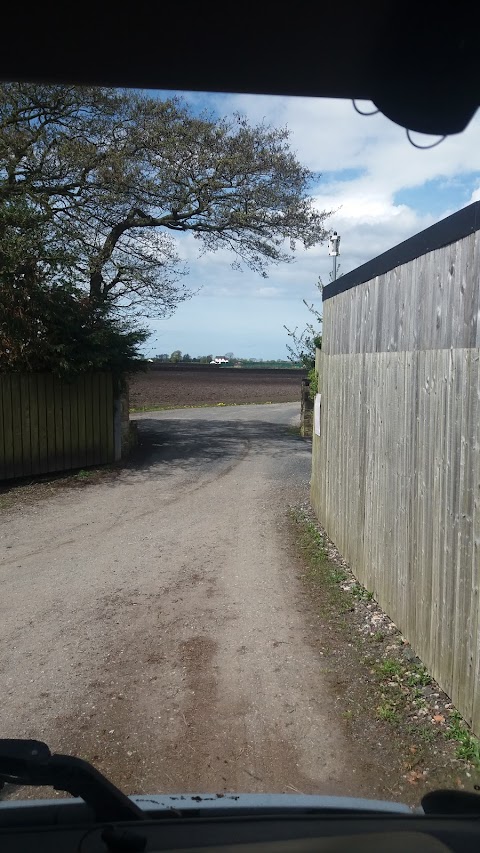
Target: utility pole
[(334, 250)]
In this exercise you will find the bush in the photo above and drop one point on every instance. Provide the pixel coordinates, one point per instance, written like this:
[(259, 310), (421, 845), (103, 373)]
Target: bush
[(58, 330), (47, 323)]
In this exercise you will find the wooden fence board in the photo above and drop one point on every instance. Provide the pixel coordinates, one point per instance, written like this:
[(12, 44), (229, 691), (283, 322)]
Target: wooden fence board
[(89, 435), (50, 425), (42, 423), (16, 419), (474, 641), (50, 421), (396, 483), (32, 394), (431, 302), (102, 432), (59, 463), (24, 413), (96, 418), (2, 435), (7, 468), (66, 391), (396, 469), (82, 423), (109, 418), (74, 443)]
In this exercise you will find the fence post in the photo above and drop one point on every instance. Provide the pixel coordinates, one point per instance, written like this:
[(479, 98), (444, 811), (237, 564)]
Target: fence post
[(315, 479), (306, 410), (117, 428), (125, 430)]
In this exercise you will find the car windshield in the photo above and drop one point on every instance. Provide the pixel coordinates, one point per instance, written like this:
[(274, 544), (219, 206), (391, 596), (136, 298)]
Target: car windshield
[(239, 443)]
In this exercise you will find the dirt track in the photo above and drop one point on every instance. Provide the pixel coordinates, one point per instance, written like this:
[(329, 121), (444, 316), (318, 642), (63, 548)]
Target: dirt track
[(194, 387), (155, 625)]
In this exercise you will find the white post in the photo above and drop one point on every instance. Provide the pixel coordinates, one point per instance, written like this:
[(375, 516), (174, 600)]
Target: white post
[(334, 251)]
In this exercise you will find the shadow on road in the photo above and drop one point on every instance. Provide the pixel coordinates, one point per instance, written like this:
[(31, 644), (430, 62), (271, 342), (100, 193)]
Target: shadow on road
[(167, 446), (191, 444)]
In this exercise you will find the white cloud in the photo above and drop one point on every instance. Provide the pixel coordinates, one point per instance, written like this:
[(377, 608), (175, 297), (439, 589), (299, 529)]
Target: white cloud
[(268, 291), (369, 224), (475, 195), (330, 137)]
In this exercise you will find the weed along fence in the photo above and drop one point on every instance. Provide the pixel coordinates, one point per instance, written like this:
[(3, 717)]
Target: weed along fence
[(49, 425), (396, 466)]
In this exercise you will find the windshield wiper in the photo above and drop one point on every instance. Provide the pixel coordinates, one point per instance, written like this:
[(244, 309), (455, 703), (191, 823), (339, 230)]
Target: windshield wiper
[(30, 762)]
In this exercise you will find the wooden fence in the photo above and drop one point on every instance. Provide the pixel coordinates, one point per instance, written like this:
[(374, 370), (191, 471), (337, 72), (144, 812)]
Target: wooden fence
[(396, 468), (48, 425)]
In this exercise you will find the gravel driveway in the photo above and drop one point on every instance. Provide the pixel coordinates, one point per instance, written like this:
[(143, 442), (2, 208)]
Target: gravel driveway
[(154, 624)]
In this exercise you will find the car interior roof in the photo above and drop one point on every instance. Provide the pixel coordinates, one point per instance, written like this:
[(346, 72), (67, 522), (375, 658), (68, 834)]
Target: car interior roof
[(416, 62)]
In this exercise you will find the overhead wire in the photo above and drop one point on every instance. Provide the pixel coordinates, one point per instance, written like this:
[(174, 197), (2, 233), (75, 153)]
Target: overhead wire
[(423, 147), (361, 112), (407, 130)]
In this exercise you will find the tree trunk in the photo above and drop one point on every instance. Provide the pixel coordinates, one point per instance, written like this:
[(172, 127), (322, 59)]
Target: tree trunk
[(97, 282)]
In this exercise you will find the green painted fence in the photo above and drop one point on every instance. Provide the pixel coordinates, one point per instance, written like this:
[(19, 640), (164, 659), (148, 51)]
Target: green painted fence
[(47, 424)]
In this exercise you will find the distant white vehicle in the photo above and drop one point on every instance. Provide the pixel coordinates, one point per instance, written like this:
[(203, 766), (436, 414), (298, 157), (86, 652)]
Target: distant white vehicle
[(220, 360)]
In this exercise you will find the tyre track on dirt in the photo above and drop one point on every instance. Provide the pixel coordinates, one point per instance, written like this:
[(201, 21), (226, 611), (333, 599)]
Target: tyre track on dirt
[(172, 649), (121, 520)]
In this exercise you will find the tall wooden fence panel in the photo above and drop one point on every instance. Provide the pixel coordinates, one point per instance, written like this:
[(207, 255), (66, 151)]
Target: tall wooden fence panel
[(396, 468), (49, 425)]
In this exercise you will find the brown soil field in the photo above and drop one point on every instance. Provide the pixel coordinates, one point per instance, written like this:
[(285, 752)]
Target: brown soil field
[(209, 387)]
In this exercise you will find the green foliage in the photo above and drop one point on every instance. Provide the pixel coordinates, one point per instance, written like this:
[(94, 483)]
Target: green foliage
[(57, 329), (255, 363), (250, 363), (313, 377), (468, 747), (94, 185), (378, 637), (387, 712), (304, 344), (418, 676), (322, 572), (337, 574), (359, 591), (84, 475), (389, 667), (426, 734), (116, 174)]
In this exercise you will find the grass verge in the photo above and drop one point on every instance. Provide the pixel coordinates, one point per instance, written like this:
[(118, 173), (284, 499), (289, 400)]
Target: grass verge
[(467, 746), (140, 409), (387, 696), (295, 430)]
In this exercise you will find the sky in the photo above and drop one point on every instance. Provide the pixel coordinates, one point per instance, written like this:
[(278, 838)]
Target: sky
[(382, 191)]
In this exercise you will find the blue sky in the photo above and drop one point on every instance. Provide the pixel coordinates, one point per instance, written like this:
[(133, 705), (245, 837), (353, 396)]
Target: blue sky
[(381, 188)]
